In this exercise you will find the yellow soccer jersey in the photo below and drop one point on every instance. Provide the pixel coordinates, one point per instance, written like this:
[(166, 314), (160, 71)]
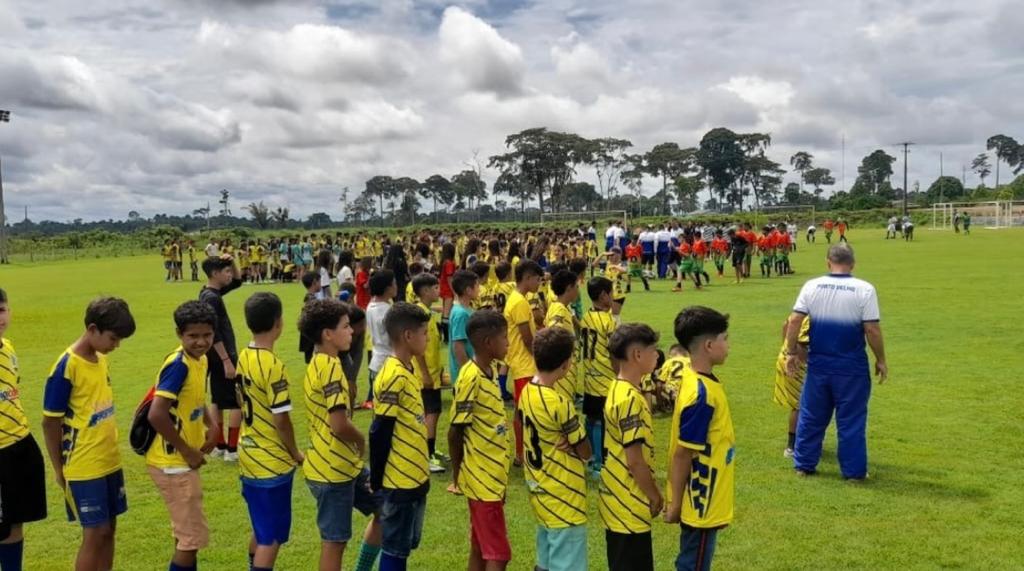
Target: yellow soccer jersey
[(166, 253), (561, 316), (787, 388), (182, 380), (671, 372), (78, 391), (328, 459), (485, 299), (702, 422), (614, 272), (13, 423), (519, 359), (397, 395), (596, 329), (175, 253), (261, 453), (477, 405), (500, 295), (191, 254), (627, 421), (434, 355), (555, 479)]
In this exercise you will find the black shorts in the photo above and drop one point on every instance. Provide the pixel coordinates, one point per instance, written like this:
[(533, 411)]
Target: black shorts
[(629, 551), (738, 258), (22, 484), (593, 407), (431, 401), (222, 391), (647, 258)]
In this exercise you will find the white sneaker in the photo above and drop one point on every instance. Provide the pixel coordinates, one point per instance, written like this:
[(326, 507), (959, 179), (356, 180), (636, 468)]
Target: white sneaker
[(231, 456), (435, 466), (787, 453), (217, 453)]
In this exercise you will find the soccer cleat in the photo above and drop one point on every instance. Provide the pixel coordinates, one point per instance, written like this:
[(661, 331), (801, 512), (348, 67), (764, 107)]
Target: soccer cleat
[(435, 466), (231, 456), (787, 453), (442, 457), (217, 452)]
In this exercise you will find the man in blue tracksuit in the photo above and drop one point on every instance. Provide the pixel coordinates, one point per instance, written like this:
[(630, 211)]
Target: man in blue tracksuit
[(663, 249), (843, 312)]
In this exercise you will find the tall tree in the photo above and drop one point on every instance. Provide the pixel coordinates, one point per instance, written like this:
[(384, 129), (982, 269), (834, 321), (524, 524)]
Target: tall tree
[(514, 186), (260, 214), (819, 177), (721, 158), (319, 220), (981, 166), (801, 163), (874, 172), (608, 156), (280, 215), (1006, 149), (437, 188), (362, 207), (945, 188), (468, 186), (547, 160), (382, 187), (686, 189), (669, 162)]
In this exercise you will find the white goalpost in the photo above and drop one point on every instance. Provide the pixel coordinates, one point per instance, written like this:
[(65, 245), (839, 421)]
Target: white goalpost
[(992, 215), (599, 218)]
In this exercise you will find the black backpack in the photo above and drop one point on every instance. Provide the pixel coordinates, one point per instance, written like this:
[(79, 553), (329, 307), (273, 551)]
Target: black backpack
[(142, 434)]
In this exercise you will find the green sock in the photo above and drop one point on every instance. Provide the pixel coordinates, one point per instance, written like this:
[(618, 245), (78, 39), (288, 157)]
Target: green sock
[(367, 557)]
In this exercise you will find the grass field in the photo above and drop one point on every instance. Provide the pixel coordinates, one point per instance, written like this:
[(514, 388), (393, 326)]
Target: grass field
[(945, 433)]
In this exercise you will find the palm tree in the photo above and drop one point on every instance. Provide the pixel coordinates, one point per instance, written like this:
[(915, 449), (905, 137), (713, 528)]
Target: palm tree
[(280, 216), (260, 214)]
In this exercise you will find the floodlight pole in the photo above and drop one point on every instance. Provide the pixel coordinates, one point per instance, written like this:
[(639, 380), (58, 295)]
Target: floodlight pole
[(5, 117), (906, 191)]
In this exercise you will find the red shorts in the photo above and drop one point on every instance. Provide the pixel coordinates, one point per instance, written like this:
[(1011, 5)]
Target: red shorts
[(487, 531), (518, 386)]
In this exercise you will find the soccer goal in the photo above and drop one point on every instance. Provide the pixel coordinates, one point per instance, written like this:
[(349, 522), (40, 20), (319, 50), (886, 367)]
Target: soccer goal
[(993, 215), (801, 215), (599, 218)]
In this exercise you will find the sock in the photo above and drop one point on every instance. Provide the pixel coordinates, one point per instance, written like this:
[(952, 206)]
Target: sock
[(791, 440), (11, 555), (175, 567), (252, 556), (232, 439), (503, 383), (647, 285), (629, 288), (367, 557), (221, 443), (431, 446), (262, 568), (707, 278), (392, 563), (594, 434)]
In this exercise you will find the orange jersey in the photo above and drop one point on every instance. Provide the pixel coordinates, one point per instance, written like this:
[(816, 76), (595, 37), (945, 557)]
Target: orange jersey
[(749, 236), (783, 241), (684, 249), (828, 225), (700, 248), (765, 243), (634, 252), (720, 245), (842, 227)]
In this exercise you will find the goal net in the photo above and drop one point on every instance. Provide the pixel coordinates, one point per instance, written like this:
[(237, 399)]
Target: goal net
[(599, 219), (992, 215), (801, 215)]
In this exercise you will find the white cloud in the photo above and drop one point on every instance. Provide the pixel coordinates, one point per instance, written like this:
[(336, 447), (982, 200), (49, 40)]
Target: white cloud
[(476, 53), (760, 92)]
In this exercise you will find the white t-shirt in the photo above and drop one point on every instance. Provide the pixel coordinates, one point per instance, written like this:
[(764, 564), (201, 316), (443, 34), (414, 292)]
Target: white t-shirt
[(375, 313), (344, 275), (325, 278), (212, 250), (663, 237), (610, 232), (839, 305)]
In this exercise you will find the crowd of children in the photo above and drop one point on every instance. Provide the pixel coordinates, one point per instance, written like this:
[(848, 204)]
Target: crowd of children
[(507, 305)]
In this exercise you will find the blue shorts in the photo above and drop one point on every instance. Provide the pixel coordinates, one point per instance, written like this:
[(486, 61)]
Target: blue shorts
[(563, 549), (96, 502), (335, 502), (270, 507), (401, 523), (696, 548)]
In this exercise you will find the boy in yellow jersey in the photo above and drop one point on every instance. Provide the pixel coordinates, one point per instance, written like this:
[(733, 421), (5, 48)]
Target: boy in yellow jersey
[(478, 440), (485, 299), (598, 371), (333, 466), (614, 271), (165, 252), (630, 498), (504, 287), (566, 287), (81, 433), (185, 432), (788, 387), (429, 367), (175, 260), (398, 437), (702, 447), (193, 262), (22, 471), (671, 371), (267, 452), (556, 453), (521, 327)]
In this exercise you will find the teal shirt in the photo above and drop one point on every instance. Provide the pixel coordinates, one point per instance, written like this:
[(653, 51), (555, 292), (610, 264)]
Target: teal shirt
[(457, 320)]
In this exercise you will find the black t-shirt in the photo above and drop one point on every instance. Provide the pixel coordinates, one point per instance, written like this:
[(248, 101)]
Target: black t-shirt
[(223, 332), (739, 244)]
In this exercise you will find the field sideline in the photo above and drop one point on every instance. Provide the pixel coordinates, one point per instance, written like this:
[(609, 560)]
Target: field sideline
[(944, 433)]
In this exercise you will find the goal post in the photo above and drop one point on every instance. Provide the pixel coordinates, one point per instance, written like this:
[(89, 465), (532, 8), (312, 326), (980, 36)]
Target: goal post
[(599, 218), (803, 215), (990, 214)]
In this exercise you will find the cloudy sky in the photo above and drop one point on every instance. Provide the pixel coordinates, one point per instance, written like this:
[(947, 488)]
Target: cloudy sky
[(154, 106)]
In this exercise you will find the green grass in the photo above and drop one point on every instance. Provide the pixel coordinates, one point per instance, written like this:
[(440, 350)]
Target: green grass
[(944, 434)]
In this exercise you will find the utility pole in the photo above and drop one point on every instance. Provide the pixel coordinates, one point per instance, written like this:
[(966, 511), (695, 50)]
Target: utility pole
[(942, 182), (963, 177), (344, 204), (906, 191), (844, 163), (5, 117)]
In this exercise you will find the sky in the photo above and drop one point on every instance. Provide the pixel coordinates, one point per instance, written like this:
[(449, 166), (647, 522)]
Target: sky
[(155, 106)]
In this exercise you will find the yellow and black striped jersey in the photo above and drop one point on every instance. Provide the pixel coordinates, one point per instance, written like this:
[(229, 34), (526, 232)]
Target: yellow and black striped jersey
[(500, 294), (13, 422), (264, 392), (671, 372), (627, 422), (485, 299), (328, 459), (614, 272), (434, 355), (559, 315), (477, 405), (397, 395), (555, 479), (182, 380), (596, 329)]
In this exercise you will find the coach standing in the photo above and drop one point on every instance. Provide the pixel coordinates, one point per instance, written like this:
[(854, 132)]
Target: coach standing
[(843, 312)]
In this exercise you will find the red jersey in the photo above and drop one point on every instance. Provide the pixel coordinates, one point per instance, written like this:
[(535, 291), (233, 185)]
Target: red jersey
[(362, 289), (700, 248), (842, 227), (749, 236), (783, 242), (827, 225), (720, 245), (634, 252), (684, 249), (765, 243), (447, 271)]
